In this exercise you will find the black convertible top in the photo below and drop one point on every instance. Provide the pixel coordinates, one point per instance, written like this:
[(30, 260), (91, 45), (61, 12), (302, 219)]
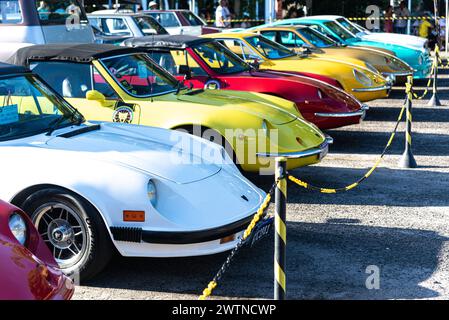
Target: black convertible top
[(7, 69), (165, 41), (81, 53)]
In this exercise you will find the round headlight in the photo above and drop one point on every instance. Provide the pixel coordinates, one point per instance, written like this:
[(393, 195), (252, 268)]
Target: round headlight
[(18, 227), (362, 78), (151, 192)]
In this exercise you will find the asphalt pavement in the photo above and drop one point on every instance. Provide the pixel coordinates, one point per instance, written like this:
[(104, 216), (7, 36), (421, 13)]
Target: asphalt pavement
[(396, 222)]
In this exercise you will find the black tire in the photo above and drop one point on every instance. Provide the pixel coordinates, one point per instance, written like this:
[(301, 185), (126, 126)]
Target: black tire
[(97, 244)]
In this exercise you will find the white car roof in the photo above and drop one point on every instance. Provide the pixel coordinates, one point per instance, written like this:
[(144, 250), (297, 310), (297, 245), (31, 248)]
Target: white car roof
[(325, 17)]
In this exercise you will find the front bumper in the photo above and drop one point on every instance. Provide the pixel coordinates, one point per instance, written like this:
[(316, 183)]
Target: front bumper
[(320, 151), (139, 235), (373, 89), (360, 113)]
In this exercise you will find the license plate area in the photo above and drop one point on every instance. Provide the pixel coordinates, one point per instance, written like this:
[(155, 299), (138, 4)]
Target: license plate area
[(262, 229)]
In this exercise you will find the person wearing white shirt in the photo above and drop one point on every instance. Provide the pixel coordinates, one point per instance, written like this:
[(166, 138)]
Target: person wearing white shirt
[(223, 15)]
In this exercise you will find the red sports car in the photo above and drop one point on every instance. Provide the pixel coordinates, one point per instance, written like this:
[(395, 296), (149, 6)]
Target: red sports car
[(28, 270), (205, 63)]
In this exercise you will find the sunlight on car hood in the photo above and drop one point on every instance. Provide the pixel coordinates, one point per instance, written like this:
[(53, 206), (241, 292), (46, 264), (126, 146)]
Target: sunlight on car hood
[(145, 154)]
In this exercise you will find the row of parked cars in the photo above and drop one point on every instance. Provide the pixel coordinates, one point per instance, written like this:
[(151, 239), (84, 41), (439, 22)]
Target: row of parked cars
[(141, 147)]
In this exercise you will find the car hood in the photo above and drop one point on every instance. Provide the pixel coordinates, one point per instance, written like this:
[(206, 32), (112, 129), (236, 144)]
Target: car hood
[(396, 48), (277, 110), (314, 65), (401, 39), (145, 149)]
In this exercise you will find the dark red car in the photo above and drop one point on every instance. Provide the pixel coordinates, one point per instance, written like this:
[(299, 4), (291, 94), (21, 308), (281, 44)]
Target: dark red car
[(205, 63), (28, 270)]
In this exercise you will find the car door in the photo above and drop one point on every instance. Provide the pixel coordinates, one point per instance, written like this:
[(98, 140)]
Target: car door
[(86, 89)]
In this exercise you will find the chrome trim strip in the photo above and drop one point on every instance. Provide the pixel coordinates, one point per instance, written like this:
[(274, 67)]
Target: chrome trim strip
[(340, 115), (372, 89), (397, 74), (322, 149)]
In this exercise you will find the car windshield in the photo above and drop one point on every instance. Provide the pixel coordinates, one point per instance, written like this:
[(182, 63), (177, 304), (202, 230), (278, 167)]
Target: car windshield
[(139, 76), (149, 25), (269, 49), (316, 38), (220, 59), (59, 12), (348, 25), (193, 20), (339, 30), (28, 107)]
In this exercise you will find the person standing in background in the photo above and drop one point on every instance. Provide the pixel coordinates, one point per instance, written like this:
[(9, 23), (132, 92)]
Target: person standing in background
[(388, 27), (401, 24), (153, 5), (223, 15)]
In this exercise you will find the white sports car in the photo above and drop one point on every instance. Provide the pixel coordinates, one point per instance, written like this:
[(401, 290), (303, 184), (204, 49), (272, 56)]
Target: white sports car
[(90, 187)]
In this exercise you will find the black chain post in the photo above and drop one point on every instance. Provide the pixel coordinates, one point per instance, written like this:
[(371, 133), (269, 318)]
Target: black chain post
[(435, 100), (280, 238), (408, 160)]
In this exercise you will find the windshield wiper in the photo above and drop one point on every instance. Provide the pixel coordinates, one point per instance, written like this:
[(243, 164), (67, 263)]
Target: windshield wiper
[(55, 124)]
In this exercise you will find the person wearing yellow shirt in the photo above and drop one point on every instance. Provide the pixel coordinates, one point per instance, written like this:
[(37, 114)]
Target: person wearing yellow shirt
[(424, 29)]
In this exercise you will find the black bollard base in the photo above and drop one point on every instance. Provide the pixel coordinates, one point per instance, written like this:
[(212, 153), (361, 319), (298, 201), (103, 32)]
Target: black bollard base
[(407, 160), (434, 101)]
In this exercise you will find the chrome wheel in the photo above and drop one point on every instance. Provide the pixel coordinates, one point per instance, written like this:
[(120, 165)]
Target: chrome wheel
[(64, 231)]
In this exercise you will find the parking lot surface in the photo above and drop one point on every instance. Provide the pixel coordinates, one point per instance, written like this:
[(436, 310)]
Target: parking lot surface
[(397, 220)]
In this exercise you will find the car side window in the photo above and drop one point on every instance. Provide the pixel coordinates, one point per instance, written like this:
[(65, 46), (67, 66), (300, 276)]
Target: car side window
[(101, 85), (70, 80), (73, 80), (240, 49), (10, 12), (57, 12), (166, 19), (115, 26), (290, 39), (269, 34), (167, 60)]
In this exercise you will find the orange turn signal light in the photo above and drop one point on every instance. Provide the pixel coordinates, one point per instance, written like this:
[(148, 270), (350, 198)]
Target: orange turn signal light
[(227, 239), (133, 216)]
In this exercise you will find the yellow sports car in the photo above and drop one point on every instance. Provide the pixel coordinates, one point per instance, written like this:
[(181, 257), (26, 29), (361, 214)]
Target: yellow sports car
[(300, 38), (354, 76), (110, 83)]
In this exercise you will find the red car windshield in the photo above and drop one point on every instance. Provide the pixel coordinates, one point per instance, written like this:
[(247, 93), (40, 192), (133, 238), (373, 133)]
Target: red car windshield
[(220, 59)]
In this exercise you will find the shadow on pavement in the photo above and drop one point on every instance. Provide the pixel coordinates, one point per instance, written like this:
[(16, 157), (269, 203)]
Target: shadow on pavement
[(372, 143), (385, 187), (324, 261), (438, 114)]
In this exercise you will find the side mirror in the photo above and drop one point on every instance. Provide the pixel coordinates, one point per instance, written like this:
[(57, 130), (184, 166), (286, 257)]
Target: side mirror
[(255, 64), (185, 70), (94, 95)]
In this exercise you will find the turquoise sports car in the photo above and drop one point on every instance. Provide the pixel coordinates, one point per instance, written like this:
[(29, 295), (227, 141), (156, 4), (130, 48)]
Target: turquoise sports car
[(418, 58)]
